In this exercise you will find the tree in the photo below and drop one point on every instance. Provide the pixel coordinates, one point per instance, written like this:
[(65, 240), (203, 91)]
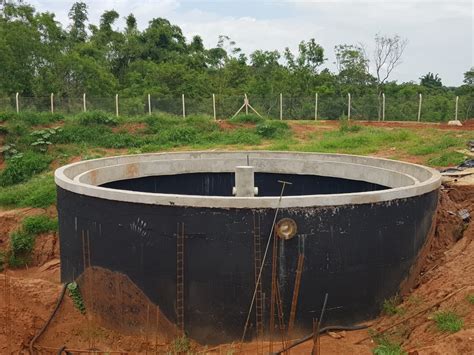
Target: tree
[(310, 56), (469, 77), (78, 16), (387, 56), (431, 81), (352, 64)]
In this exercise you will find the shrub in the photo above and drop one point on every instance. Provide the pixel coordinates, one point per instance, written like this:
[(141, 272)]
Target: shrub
[(347, 127), (34, 118), (271, 129), (22, 168), (447, 321), (386, 346), (96, 117), (43, 138), (39, 224), (390, 306), (21, 245), (250, 118)]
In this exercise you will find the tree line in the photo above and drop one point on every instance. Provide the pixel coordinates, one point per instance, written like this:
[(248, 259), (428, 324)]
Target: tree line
[(38, 56)]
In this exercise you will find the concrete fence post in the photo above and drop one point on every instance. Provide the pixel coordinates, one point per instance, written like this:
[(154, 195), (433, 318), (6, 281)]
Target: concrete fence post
[(17, 102), (281, 106), (419, 107), (52, 103), (84, 104), (456, 110), (116, 105), (246, 100), (316, 106), (214, 106), (184, 106), (349, 107), (383, 106), (149, 104)]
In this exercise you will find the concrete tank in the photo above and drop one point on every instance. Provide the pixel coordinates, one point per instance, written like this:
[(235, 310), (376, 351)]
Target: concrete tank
[(360, 223)]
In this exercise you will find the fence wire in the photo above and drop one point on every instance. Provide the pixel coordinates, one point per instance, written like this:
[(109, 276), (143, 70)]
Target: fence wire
[(398, 107)]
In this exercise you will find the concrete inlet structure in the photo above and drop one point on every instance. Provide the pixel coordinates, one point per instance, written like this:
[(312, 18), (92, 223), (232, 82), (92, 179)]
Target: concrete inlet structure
[(171, 223)]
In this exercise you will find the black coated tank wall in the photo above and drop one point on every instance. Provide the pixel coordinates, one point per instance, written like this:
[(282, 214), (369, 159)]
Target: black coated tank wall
[(220, 184), (358, 254)]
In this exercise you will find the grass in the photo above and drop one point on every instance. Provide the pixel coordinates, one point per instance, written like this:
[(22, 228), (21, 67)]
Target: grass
[(386, 346), (448, 321), (39, 192), (39, 224), (22, 167), (391, 306), (470, 299)]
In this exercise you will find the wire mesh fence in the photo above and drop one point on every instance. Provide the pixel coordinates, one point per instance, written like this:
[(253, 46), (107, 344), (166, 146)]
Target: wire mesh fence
[(400, 107)]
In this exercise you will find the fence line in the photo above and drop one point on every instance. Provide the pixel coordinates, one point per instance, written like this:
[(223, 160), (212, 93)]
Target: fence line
[(322, 106)]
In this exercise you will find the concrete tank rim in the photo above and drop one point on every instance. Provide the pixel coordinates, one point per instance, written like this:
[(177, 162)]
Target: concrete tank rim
[(430, 180)]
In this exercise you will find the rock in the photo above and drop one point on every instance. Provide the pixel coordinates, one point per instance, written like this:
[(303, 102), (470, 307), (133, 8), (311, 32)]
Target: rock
[(334, 335), (454, 123)]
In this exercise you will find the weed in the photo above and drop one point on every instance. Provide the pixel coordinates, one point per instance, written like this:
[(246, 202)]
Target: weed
[(391, 306), (386, 346), (346, 127), (2, 260), (3, 130), (39, 224), (447, 159), (448, 321), (272, 129), (32, 118), (181, 345), (43, 138), (470, 299), (75, 294), (21, 244), (96, 117), (39, 192), (250, 118), (10, 151), (22, 168)]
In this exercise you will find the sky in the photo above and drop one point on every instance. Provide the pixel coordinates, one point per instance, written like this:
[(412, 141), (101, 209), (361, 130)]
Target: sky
[(439, 33)]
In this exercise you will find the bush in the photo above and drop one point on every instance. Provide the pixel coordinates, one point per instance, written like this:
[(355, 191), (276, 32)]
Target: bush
[(22, 168), (391, 306), (39, 224), (96, 117), (32, 118), (21, 245), (271, 129), (250, 118), (347, 127), (447, 321)]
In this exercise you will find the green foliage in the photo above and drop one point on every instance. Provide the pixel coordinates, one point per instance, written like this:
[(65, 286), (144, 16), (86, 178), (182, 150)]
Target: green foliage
[(96, 117), (2, 260), (250, 118), (447, 159), (21, 245), (181, 345), (385, 345), (22, 168), (272, 129), (391, 306), (448, 321), (75, 294), (39, 192), (43, 138), (470, 299), (346, 126), (32, 118), (39, 224), (10, 151)]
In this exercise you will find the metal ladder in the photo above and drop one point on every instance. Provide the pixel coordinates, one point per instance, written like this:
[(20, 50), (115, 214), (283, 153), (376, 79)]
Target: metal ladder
[(180, 278), (258, 265)]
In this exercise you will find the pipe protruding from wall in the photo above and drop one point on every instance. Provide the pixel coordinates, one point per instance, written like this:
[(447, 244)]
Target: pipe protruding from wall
[(244, 182)]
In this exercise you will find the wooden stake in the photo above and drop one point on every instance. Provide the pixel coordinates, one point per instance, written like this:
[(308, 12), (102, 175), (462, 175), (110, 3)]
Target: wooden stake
[(316, 106), (214, 106), (419, 107)]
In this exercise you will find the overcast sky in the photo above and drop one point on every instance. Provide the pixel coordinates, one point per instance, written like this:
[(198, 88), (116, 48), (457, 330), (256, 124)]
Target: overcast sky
[(439, 33)]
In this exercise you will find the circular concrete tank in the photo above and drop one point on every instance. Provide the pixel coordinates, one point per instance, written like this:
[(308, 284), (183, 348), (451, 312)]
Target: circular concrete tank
[(358, 221)]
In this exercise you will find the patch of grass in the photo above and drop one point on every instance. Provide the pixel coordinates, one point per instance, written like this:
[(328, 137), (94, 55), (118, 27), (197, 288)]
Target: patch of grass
[(32, 118), (75, 294), (437, 144), (39, 192), (346, 126), (447, 159), (391, 306), (448, 321), (21, 168), (96, 118), (180, 345), (272, 129), (470, 299), (250, 118), (386, 346), (21, 245), (39, 224)]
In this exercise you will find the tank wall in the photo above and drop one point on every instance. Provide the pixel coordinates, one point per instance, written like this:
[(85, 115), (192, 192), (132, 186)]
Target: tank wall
[(358, 254)]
